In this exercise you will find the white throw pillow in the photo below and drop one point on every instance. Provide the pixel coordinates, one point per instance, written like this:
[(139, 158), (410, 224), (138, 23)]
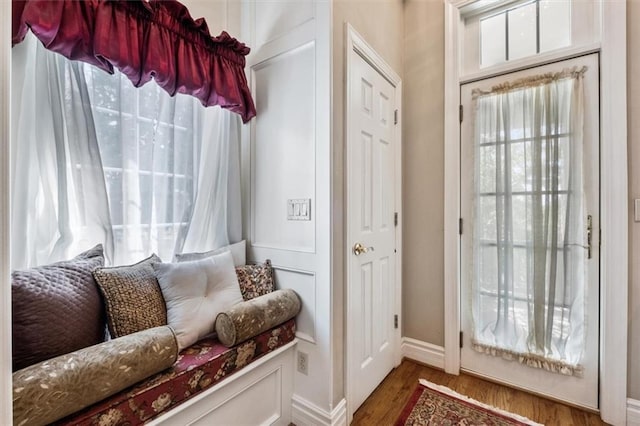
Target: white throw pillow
[(238, 251), (196, 292)]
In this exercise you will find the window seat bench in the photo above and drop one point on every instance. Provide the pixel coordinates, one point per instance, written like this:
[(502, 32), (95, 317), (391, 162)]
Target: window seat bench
[(250, 383)]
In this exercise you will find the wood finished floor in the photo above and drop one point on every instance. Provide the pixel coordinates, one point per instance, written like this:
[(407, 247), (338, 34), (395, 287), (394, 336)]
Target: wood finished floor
[(386, 402)]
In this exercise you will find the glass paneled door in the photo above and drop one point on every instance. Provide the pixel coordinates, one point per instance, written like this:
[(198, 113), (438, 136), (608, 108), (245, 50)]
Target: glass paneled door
[(530, 209)]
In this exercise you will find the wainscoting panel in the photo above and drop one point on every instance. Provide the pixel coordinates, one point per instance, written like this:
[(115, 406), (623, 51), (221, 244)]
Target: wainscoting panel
[(303, 283), (286, 156), (284, 140)]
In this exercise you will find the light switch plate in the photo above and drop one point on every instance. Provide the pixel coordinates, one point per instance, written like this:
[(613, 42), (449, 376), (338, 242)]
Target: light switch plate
[(636, 210), (299, 209)]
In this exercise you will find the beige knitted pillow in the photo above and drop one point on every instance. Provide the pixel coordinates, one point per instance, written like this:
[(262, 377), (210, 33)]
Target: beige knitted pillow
[(132, 297)]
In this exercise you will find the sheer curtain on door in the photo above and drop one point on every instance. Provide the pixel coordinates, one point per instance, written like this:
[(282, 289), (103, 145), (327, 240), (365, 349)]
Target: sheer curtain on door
[(529, 256)]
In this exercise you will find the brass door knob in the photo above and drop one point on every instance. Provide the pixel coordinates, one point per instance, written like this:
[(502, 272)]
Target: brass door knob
[(358, 249)]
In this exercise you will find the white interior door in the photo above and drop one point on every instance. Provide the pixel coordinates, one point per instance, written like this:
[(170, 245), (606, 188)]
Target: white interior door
[(371, 229), (499, 288)]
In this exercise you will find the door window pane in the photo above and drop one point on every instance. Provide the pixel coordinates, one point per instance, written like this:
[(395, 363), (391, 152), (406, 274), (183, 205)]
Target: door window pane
[(522, 31), (493, 42)]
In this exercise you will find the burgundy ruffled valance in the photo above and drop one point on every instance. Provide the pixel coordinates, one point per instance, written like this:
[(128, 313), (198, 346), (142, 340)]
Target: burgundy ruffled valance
[(143, 39)]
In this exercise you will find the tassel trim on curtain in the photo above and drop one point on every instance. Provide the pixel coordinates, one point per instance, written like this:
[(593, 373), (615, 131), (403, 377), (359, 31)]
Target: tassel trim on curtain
[(530, 360)]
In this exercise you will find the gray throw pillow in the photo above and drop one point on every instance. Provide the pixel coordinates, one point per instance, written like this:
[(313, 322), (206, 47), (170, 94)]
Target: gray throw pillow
[(56, 309)]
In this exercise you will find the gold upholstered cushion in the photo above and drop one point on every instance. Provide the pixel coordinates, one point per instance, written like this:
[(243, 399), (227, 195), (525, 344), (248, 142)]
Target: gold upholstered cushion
[(53, 389)]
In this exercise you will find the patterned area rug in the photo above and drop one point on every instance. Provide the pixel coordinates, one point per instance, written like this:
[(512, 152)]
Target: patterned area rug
[(432, 404)]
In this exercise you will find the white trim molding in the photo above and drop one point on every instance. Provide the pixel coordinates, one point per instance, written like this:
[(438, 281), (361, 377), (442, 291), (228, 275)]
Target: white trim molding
[(451, 189), (613, 199), (5, 217), (423, 352), (633, 412), (614, 271), (305, 413)]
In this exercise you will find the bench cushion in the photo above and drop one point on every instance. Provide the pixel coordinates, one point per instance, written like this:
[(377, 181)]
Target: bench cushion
[(198, 368)]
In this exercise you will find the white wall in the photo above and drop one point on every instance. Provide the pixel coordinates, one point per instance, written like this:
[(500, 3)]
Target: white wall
[(5, 283), (219, 14), (286, 155)]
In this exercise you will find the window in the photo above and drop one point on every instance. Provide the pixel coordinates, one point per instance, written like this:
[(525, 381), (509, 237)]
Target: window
[(134, 169), (524, 30), (499, 33), (147, 146)]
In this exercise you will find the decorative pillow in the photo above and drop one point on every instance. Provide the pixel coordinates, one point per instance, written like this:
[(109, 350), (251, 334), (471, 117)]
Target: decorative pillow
[(255, 280), (196, 292), (238, 251), (248, 319), (132, 297), (56, 309), (50, 390)]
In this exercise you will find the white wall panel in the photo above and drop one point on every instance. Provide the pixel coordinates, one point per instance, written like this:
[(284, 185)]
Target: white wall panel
[(304, 284), (287, 155), (274, 19), (283, 149)]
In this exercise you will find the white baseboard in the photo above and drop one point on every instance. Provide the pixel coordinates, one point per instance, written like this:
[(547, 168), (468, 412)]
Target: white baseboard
[(633, 412), (306, 413), (423, 352)]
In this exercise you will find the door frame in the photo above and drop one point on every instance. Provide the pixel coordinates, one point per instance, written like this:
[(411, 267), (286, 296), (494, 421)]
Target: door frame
[(357, 45), (613, 190)]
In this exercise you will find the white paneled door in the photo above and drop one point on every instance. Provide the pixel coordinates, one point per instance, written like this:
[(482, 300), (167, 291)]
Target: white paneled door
[(371, 190), (530, 234)]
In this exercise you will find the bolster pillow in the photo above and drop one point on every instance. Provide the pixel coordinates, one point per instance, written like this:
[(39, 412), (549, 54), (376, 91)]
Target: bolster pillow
[(55, 388), (248, 319)]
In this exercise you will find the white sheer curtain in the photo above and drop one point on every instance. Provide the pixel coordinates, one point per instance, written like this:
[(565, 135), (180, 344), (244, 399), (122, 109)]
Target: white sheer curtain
[(172, 168), (529, 256), (217, 215), (59, 202), (165, 170)]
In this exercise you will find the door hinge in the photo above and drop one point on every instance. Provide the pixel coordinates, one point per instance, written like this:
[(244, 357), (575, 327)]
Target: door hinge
[(461, 339), (600, 237), (395, 219), (461, 112), (395, 321), (460, 226), (395, 117)]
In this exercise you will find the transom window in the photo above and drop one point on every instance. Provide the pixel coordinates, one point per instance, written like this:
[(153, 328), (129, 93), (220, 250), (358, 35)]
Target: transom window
[(497, 32), (524, 30)]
